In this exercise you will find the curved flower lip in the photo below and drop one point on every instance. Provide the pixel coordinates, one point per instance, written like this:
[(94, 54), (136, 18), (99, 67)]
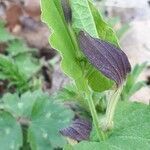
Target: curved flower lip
[(107, 58), (79, 130)]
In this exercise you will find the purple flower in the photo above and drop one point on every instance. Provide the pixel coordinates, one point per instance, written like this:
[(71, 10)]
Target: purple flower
[(107, 58)]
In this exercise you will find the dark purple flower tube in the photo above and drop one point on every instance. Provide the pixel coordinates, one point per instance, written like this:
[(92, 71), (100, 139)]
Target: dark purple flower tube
[(79, 130), (107, 58)]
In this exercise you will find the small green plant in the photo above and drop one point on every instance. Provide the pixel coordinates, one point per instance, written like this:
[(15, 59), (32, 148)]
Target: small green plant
[(113, 22), (38, 115), (92, 57), (31, 119), (17, 64), (132, 85)]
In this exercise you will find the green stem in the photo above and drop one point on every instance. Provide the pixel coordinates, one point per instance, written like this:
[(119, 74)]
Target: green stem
[(111, 107), (74, 40), (100, 133), (91, 105)]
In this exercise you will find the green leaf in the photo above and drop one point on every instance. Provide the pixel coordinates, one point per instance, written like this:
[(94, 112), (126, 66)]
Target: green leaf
[(61, 37), (120, 32), (68, 147), (74, 64), (82, 17), (16, 47), (12, 70), (89, 146), (5, 36), (113, 21), (19, 66), (86, 17), (132, 85), (2, 76), (31, 65), (136, 87), (105, 32), (22, 57), (131, 130), (137, 70), (47, 118), (20, 106), (98, 81), (10, 132), (12, 73)]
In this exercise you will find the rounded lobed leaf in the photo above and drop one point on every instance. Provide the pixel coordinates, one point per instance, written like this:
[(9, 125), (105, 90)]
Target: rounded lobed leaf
[(10, 132), (43, 115), (47, 118)]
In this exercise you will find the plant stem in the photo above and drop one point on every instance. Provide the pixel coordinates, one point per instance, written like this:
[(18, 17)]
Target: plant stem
[(100, 133), (74, 40), (111, 107)]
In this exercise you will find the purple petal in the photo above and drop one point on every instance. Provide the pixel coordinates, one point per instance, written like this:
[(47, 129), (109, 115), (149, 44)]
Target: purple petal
[(79, 130), (107, 58)]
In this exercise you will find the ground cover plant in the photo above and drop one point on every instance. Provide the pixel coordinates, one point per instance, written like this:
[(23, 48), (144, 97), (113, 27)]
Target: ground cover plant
[(94, 111), (17, 64)]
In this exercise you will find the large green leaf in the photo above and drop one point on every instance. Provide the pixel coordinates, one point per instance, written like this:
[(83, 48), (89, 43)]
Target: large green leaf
[(64, 40), (105, 32), (44, 115), (20, 106), (86, 17), (10, 132), (47, 118), (131, 131), (82, 17), (60, 39)]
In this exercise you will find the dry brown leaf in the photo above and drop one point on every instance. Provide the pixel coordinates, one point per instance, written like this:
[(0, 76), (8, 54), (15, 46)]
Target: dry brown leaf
[(13, 14), (33, 8)]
